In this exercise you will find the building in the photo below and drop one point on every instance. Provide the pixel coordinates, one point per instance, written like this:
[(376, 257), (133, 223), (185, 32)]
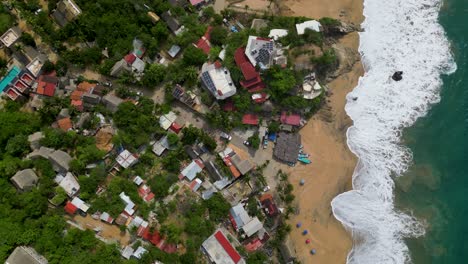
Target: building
[(252, 80), (172, 23), (35, 140), (46, 85), (259, 24), (129, 204), (260, 51), (60, 161), (287, 147), (191, 171), (250, 119), (105, 217), (218, 81), (25, 180), (204, 42), (252, 227), (66, 11), (69, 183), (126, 159), (10, 36), (290, 119), (311, 88), (244, 166), (165, 121), (80, 205), (238, 216), (25, 255), (277, 33), (186, 97), (311, 25), (220, 251), (9, 77), (35, 66), (173, 51), (269, 205), (154, 18), (112, 102), (119, 68)]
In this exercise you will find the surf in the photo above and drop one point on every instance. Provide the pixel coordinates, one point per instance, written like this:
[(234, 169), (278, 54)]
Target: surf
[(398, 35)]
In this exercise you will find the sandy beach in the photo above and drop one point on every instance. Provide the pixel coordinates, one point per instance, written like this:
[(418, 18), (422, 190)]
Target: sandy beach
[(324, 139)]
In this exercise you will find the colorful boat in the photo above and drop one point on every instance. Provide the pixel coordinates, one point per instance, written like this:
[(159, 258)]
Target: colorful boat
[(304, 160)]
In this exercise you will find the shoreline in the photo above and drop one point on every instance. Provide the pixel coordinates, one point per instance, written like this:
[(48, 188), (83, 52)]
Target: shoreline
[(324, 138)]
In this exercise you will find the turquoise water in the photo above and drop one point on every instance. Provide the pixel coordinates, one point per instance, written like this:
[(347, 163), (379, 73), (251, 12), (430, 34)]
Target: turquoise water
[(435, 188)]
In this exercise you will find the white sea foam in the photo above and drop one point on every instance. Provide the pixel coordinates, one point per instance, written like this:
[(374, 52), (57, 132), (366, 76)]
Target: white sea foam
[(399, 35)]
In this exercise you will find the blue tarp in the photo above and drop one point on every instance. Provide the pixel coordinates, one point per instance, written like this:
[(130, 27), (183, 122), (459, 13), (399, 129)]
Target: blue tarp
[(272, 137), (9, 77)]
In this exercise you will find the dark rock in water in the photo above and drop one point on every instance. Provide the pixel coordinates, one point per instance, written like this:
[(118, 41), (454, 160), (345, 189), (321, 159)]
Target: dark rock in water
[(397, 76), (355, 98)]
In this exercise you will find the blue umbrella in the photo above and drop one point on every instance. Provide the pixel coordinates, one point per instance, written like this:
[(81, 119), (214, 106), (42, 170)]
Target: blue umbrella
[(313, 252), (299, 224), (305, 232), (302, 182)]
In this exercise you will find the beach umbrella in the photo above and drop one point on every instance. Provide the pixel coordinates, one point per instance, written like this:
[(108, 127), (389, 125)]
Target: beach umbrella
[(302, 182), (305, 232), (299, 224), (313, 252), (307, 241)]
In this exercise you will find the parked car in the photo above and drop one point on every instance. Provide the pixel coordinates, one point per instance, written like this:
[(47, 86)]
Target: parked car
[(107, 84), (246, 142), (225, 136)]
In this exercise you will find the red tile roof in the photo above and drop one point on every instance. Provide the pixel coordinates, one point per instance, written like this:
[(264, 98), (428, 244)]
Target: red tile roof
[(234, 171), (229, 106), (130, 58), (293, 119), (65, 124), (250, 119), (176, 127), (252, 81), (70, 208), (227, 246), (46, 85), (85, 86), (204, 42)]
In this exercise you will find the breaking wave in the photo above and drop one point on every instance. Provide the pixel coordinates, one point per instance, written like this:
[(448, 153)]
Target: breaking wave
[(399, 35)]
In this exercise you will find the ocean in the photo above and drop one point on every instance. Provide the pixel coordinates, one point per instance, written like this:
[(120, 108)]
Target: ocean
[(408, 203)]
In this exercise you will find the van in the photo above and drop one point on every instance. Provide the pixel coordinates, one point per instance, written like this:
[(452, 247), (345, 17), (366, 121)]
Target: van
[(225, 136)]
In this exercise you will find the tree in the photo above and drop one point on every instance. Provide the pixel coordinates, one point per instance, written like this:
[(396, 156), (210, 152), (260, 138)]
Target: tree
[(218, 35), (154, 75), (190, 135), (258, 257), (194, 56), (18, 145), (173, 139), (217, 206), (274, 127), (254, 141), (28, 40), (280, 81)]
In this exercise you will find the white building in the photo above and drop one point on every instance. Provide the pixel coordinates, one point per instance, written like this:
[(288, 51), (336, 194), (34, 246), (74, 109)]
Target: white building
[(311, 24), (126, 159), (220, 251), (218, 81), (69, 183), (264, 52), (277, 33), (129, 204)]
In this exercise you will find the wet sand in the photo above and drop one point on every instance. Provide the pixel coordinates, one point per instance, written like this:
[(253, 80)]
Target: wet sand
[(324, 139)]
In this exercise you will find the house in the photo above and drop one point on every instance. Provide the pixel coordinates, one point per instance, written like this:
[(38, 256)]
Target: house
[(160, 146), (90, 100), (173, 51), (65, 124), (165, 121), (112, 102), (42, 152), (260, 51), (105, 217), (35, 66), (60, 160), (269, 206), (290, 119), (154, 18), (120, 67), (80, 204), (13, 94), (243, 166), (70, 208), (214, 173), (250, 119), (35, 140), (69, 183), (220, 251), (46, 85), (252, 80), (204, 42), (145, 193), (252, 227), (139, 252), (126, 159), (177, 125), (311, 88), (172, 23), (311, 25), (238, 216), (66, 11), (122, 219), (277, 33), (191, 171), (186, 97), (259, 24), (138, 180), (129, 204), (287, 251), (25, 255), (195, 184), (25, 180), (127, 252), (217, 80), (287, 147), (10, 36)]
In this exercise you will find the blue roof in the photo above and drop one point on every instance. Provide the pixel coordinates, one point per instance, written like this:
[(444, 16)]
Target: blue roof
[(9, 77), (272, 136)]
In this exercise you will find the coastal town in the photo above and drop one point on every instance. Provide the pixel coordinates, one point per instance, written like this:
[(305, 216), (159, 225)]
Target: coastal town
[(157, 131)]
